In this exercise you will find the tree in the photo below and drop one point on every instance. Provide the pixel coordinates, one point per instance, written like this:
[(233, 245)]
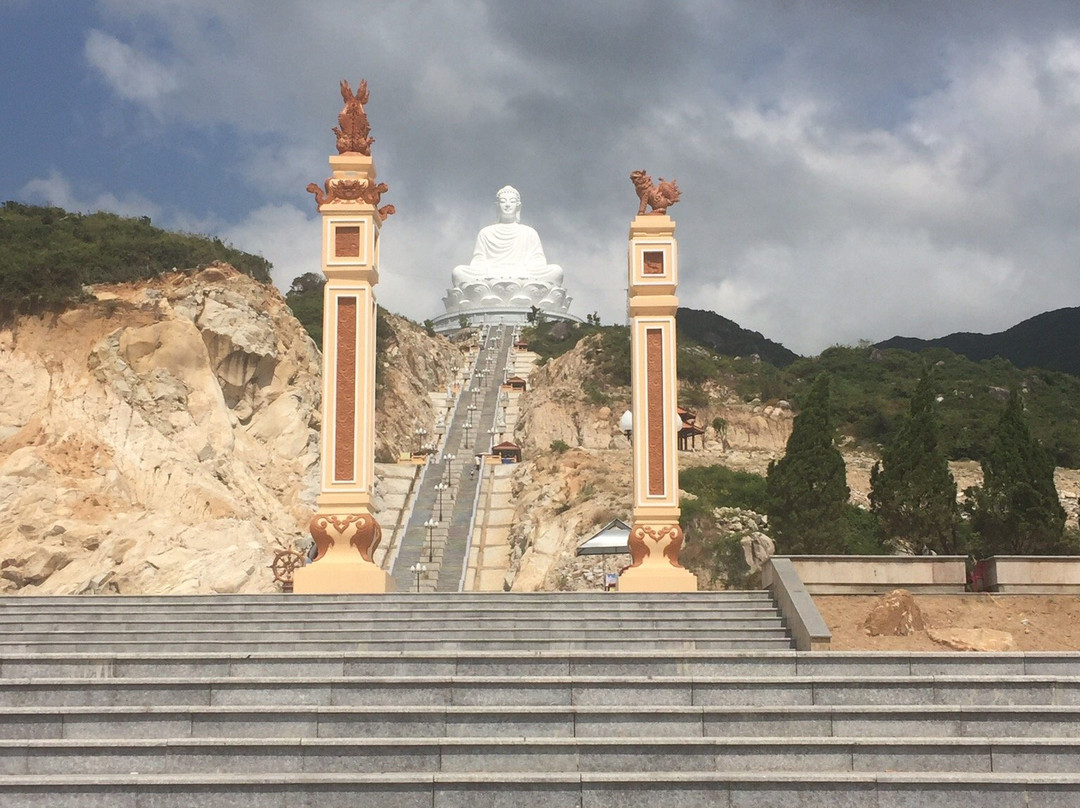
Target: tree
[(1016, 510), (305, 298), (308, 282), (806, 490), (912, 491)]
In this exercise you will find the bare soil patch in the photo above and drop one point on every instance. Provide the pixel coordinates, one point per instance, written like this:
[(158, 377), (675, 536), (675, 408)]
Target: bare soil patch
[(1036, 622)]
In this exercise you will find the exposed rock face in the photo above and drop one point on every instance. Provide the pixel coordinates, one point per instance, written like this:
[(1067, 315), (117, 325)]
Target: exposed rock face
[(563, 498), (555, 410), (757, 547), (414, 364), (550, 520), (164, 438)]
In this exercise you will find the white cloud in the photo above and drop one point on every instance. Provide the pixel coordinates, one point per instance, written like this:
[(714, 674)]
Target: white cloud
[(283, 234), (132, 75), (56, 189), (844, 175)]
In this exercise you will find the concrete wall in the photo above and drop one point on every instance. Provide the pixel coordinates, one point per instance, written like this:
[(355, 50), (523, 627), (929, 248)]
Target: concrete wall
[(824, 575), (1034, 575)]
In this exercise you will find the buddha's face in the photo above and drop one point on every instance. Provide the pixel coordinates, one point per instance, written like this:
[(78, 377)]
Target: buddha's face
[(509, 205)]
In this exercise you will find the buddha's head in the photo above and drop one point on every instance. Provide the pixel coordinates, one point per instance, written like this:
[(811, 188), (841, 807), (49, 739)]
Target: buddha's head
[(508, 201)]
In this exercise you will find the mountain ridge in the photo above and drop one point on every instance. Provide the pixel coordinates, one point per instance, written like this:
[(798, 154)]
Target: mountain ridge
[(728, 338), (1048, 340)]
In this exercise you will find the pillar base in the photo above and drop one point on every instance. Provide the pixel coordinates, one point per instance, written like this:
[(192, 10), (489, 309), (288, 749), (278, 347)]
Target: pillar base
[(344, 564), (657, 578), (326, 577)]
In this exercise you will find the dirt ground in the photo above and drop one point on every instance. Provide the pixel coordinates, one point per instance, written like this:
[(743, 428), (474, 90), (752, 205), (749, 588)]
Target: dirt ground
[(1036, 622)]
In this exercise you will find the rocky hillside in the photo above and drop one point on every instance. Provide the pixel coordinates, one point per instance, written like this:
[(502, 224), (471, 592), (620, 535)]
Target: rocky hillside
[(163, 437), (563, 495)]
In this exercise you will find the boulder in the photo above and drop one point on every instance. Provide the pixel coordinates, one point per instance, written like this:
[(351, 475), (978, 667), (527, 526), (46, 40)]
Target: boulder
[(895, 615), (973, 639)]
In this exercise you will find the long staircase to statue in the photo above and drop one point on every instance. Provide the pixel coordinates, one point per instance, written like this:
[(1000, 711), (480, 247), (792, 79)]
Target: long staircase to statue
[(440, 528), (571, 700)]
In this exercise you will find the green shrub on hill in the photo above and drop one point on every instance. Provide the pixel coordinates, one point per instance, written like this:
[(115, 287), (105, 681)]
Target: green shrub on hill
[(720, 487), (48, 254)]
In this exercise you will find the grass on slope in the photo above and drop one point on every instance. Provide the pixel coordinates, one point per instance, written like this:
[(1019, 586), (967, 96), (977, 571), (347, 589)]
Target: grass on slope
[(48, 254)]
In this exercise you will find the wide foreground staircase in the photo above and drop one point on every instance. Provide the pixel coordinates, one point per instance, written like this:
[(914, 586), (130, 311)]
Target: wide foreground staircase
[(491, 700)]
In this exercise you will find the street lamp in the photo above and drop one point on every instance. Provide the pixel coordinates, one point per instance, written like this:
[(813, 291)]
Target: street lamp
[(421, 433), (449, 458), (439, 488), (493, 432), (626, 423), (430, 525), (418, 570)]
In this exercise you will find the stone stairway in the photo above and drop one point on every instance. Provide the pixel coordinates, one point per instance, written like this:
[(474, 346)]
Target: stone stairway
[(508, 700), (443, 550)]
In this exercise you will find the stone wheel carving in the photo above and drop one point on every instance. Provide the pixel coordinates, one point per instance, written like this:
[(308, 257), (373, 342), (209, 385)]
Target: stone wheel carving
[(286, 562)]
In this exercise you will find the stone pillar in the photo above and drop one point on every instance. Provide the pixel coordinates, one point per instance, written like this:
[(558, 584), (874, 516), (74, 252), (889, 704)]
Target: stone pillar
[(344, 526), (656, 536)]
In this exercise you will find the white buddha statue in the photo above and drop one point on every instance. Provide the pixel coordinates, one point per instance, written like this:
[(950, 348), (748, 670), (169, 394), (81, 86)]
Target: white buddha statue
[(508, 267)]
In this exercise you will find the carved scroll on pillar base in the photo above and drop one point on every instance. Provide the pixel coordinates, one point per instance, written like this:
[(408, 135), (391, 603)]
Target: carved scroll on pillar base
[(344, 563), (654, 550)]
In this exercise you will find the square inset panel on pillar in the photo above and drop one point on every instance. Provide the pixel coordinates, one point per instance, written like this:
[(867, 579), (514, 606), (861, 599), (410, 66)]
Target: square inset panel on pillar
[(653, 262), (347, 241)]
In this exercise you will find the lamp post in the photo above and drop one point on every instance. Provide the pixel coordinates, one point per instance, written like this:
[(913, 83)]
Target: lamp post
[(470, 412), (421, 433), (418, 570), (439, 488), (430, 525), (493, 432), (449, 458)]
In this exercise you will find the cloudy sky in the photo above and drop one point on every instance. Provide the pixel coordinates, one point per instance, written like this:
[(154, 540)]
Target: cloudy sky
[(850, 170)]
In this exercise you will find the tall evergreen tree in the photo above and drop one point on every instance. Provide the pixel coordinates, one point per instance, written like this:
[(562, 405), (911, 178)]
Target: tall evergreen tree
[(1016, 511), (912, 492), (806, 489)]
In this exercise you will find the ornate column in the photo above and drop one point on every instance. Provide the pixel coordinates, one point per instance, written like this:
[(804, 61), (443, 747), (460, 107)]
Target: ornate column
[(656, 537), (344, 526)]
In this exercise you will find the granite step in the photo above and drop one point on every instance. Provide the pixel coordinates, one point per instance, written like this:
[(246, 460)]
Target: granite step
[(561, 691), (585, 701), (429, 643), (391, 601), (329, 625), (694, 611), (616, 721), (469, 755), (530, 662), (654, 788)]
